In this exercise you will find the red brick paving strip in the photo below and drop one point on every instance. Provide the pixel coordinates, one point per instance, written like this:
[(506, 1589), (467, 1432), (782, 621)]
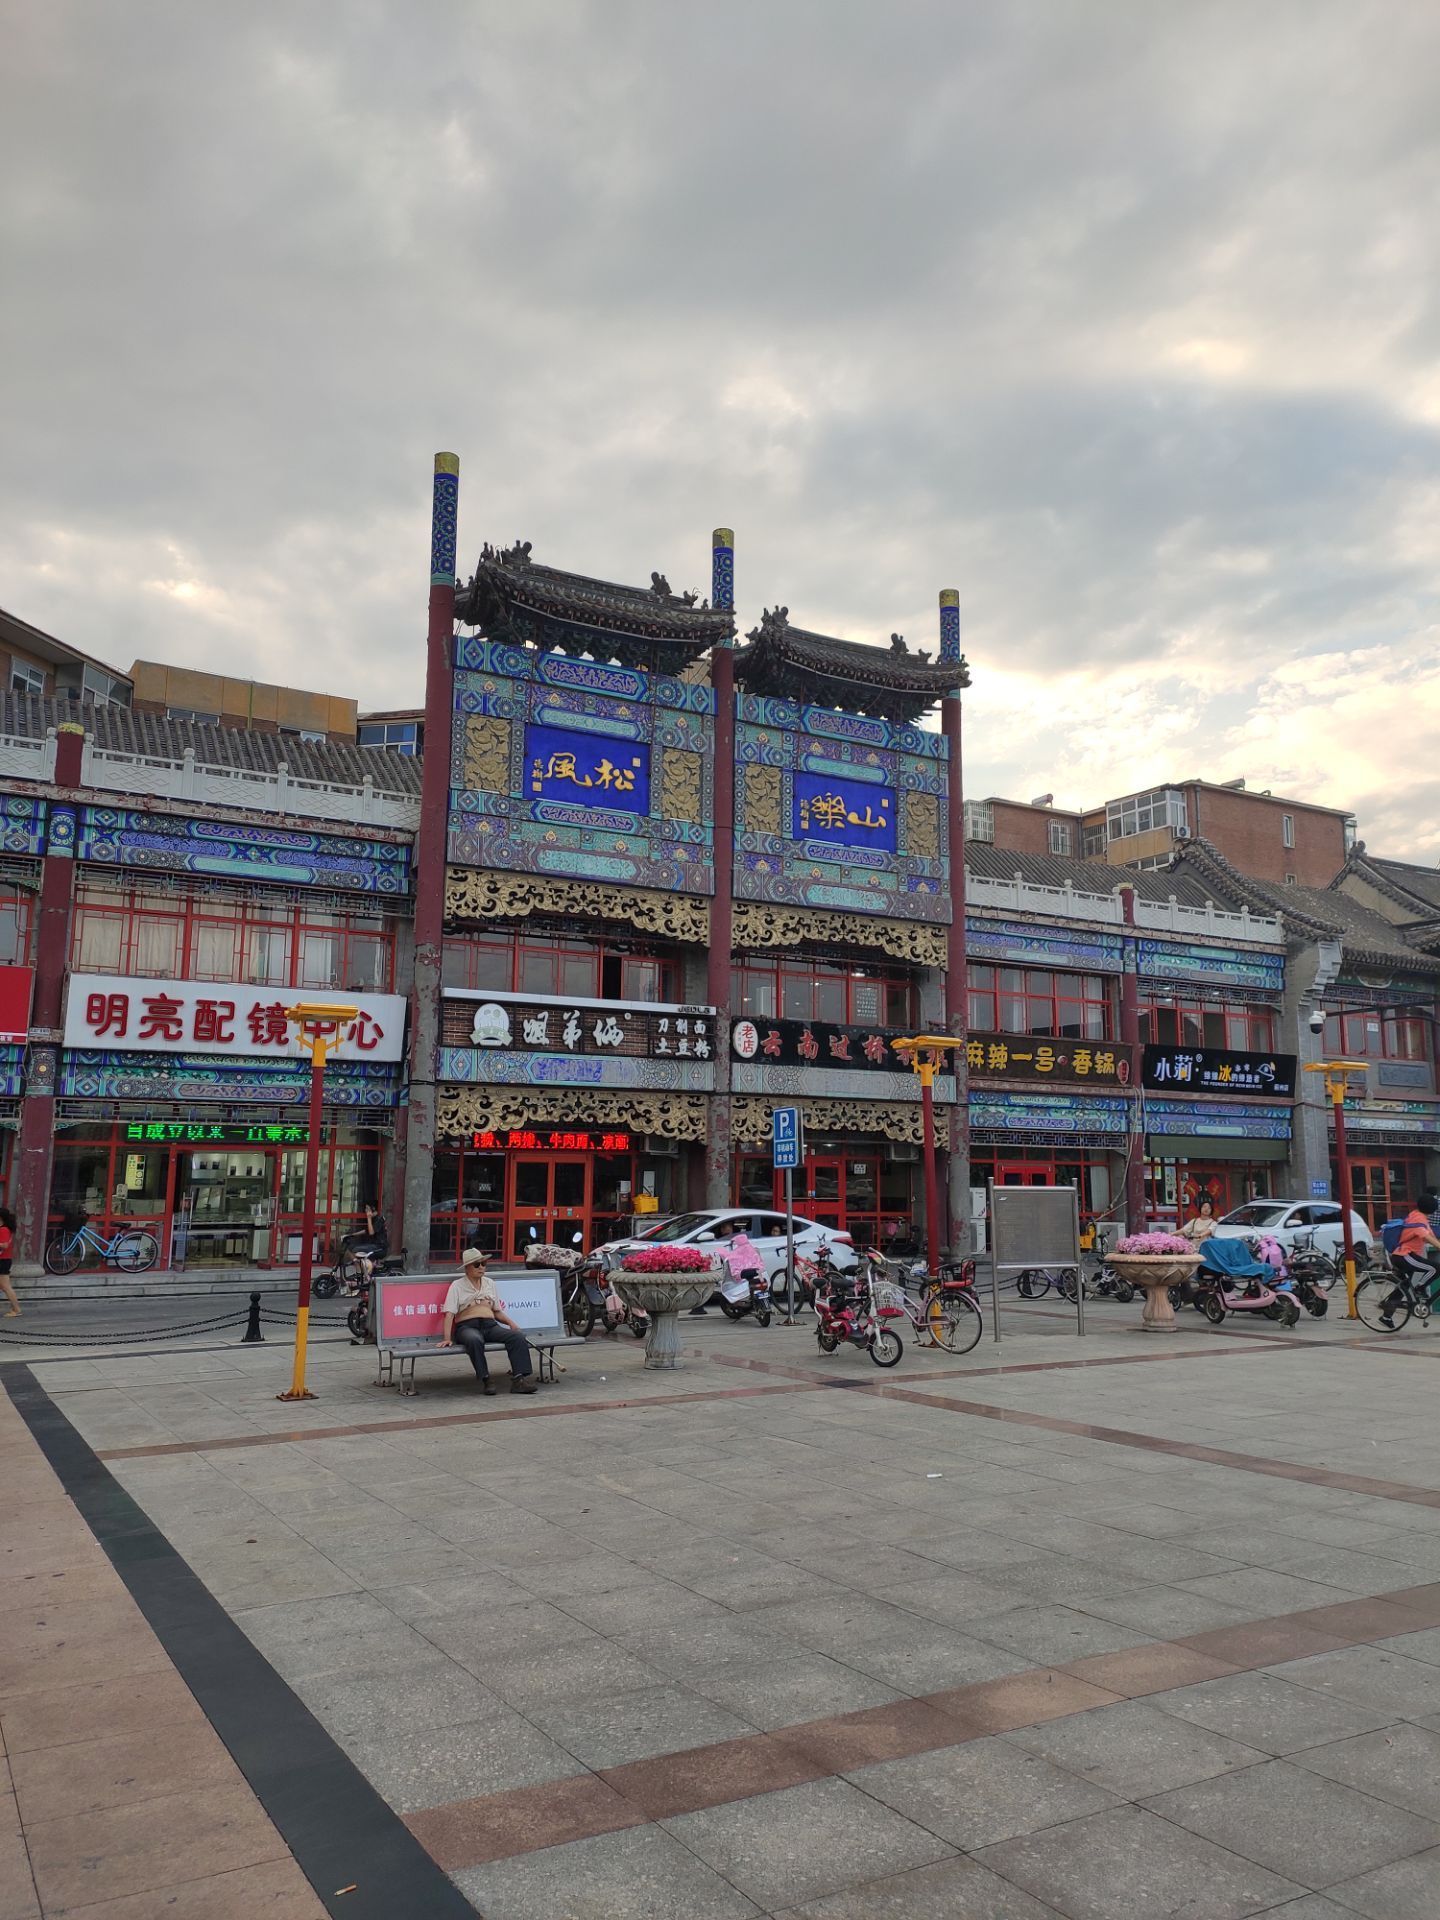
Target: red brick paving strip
[(116, 1794)]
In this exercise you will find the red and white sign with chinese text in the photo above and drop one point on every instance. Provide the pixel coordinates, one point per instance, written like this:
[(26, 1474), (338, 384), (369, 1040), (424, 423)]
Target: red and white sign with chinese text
[(118, 1015), (16, 984)]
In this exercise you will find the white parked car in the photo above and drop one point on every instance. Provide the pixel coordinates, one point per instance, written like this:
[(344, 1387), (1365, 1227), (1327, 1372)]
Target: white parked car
[(1289, 1220), (765, 1228)]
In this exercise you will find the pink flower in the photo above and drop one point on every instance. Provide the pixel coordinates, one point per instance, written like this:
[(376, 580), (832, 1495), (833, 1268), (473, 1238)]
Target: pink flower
[(665, 1260), (1153, 1243)]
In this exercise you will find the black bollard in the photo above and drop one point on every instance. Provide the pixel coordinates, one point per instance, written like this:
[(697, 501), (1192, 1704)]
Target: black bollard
[(252, 1326)]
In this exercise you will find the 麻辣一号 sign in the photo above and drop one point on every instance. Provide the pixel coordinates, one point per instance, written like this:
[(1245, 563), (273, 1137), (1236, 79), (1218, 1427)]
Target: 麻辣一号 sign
[(1217, 1070), (587, 769), (112, 1013), (841, 812), (1027, 1056)]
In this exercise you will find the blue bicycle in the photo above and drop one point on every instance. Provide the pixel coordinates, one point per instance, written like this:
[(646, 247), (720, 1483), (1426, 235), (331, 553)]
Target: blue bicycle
[(132, 1250)]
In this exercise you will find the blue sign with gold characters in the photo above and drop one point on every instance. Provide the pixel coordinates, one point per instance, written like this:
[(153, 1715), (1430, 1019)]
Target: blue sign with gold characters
[(849, 813), (587, 769)]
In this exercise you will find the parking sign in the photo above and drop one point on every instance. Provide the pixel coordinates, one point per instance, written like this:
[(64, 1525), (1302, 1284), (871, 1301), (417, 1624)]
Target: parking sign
[(787, 1137)]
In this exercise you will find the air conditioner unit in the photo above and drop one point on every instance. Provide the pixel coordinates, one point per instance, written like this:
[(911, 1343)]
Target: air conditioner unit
[(1182, 833), (901, 1152), (657, 1147)]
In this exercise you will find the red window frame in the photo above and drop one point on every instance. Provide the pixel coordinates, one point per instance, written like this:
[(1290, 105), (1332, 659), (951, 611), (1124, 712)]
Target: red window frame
[(361, 944), (1075, 1006), (528, 962), (1378, 1036), (17, 926), (1240, 1026), (794, 986)]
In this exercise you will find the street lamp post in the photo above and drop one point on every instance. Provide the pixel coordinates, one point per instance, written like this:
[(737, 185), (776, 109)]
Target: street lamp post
[(926, 1054), (1337, 1075), (316, 1027)]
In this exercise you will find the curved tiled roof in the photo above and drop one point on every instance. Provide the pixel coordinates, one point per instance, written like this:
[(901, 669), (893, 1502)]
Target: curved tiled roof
[(821, 671), (513, 599), (121, 731)]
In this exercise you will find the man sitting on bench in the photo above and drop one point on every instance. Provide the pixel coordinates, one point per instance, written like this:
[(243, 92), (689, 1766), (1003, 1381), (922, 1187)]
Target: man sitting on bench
[(473, 1315)]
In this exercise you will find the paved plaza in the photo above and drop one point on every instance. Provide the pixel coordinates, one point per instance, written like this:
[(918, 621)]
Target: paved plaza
[(1114, 1629)]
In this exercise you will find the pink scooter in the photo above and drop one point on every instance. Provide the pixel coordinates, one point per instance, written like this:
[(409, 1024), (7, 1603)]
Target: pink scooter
[(1231, 1280)]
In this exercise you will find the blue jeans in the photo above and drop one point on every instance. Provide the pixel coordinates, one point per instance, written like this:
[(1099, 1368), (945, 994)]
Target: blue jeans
[(473, 1334)]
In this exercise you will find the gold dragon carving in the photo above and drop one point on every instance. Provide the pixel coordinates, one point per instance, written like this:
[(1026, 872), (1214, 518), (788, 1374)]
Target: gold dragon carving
[(485, 762), (483, 893), (460, 1111), (750, 1115), (922, 826), (680, 787), (762, 800), (761, 923)]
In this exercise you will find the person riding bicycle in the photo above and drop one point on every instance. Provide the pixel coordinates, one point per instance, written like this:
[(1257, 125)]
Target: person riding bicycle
[(1417, 1253)]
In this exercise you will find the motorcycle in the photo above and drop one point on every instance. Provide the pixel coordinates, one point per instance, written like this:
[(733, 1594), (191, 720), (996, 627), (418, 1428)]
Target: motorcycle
[(590, 1297), (845, 1314), (1231, 1280), (360, 1257), (746, 1292)]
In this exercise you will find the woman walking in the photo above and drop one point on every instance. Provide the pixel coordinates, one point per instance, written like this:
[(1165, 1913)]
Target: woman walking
[(7, 1255)]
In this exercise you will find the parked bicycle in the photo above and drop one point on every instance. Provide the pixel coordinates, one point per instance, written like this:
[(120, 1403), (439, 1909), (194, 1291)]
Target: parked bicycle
[(131, 1250), (946, 1312)]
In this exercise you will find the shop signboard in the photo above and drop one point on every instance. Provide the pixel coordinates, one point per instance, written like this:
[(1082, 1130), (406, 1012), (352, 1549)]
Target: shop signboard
[(551, 1140), (208, 1133), (1217, 1070), (843, 812), (1028, 1056), (503, 1023), (112, 1013), (816, 1043), (588, 770), (15, 989)]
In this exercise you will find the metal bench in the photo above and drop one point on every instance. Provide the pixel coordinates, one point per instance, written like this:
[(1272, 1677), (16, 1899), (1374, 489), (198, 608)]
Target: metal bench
[(409, 1316)]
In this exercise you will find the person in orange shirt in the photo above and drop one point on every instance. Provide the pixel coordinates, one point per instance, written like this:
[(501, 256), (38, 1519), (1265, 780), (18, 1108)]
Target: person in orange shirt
[(1418, 1248)]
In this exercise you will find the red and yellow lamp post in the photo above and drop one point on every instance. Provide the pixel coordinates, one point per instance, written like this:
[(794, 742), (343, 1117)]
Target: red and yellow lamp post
[(1337, 1077), (926, 1055), (318, 1028)]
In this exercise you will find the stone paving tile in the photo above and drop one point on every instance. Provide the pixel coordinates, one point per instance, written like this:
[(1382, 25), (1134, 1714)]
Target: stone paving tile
[(952, 1599), (1372, 1677), (147, 1845), (644, 1874), (431, 1693), (802, 1842), (85, 1776), (432, 1765), (1166, 1612), (639, 1725), (1295, 1823), (1127, 1864), (784, 1691), (1404, 1890), (984, 1791), (950, 1890), (1262, 1592), (1133, 1748), (1052, 1636), (275, 1891), (1399, 1764)]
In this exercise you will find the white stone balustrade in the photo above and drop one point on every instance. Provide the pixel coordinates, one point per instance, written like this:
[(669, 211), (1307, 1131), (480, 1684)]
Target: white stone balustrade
[(1153, 916)]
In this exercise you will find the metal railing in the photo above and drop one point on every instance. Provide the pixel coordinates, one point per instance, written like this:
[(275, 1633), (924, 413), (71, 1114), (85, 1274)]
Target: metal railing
[(1167, 916)]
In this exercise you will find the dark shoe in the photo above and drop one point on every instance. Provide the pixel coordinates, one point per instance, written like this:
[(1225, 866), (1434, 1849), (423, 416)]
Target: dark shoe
[(487, 1386), (695, 1312), (1387, 1321), (527, 1383)]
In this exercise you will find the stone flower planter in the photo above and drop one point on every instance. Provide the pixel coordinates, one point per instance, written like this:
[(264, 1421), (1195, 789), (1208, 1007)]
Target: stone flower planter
[(664, 1297), (1156, 1273)]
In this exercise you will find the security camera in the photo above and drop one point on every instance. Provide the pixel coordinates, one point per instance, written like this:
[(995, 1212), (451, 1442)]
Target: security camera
[(1317, 1020)]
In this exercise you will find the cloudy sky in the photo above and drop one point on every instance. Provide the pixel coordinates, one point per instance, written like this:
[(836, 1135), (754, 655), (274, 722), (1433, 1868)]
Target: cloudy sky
[(1120, 318)]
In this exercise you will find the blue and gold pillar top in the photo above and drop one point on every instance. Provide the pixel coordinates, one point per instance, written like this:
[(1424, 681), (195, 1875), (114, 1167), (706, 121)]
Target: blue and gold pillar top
[(444, 518), (722, 570), (949, 625)]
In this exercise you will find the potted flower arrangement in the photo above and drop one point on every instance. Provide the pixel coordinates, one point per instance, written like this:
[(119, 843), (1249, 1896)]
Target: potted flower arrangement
[(663, 1282), (1156, 1262)]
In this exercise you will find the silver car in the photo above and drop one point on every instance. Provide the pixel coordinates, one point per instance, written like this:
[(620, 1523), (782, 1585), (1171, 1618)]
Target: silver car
[(765, 1228), (1289, 1220)]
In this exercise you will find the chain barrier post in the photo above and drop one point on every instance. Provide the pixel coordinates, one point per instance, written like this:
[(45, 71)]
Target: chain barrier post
[(252, 1327)]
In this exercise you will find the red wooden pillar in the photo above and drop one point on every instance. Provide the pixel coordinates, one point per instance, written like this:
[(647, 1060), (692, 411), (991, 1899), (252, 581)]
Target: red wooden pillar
[(35, 1148), (957, 999), (1130, 1040), (719, 973), (415, 1124)]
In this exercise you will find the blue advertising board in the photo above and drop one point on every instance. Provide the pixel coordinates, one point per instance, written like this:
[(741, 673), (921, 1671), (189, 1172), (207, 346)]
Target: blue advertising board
[(845, 813), (587, 769)]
